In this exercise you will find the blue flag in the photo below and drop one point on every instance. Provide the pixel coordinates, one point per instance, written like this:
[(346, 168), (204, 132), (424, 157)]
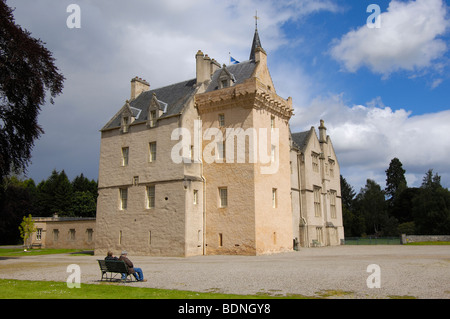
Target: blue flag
[(233, 60)]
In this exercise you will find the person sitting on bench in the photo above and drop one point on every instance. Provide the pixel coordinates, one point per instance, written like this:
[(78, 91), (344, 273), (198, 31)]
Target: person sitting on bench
[(137, 272), (110, 256)]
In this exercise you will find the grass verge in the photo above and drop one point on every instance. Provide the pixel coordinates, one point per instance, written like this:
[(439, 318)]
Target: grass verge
[(4, 252), (25, 289)]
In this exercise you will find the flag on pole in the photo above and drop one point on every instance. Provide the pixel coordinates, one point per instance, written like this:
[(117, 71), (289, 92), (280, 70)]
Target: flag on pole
[(233, 60)]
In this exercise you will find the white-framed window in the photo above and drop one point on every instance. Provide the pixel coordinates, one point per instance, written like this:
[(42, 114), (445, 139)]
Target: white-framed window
[(39, 234), (151, 196), (317, 208), (152, 151), (125, 155), (221, 120), (123, 194), (223, 197), (274, 197)]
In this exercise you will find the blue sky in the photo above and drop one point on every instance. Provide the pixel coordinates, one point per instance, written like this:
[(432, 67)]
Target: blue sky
[(382, 92)]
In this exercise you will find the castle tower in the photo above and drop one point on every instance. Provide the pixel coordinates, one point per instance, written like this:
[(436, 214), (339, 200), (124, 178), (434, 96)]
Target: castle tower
[(247, 176)]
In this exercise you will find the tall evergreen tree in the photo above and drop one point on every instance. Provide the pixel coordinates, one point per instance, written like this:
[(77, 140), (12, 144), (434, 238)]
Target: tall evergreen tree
[(395, 180)]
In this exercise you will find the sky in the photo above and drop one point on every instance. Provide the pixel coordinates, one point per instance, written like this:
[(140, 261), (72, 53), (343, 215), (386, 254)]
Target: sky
[(376, 71)]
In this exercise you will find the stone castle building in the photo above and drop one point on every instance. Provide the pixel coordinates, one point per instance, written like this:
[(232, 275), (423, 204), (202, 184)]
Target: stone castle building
[(209, 166)]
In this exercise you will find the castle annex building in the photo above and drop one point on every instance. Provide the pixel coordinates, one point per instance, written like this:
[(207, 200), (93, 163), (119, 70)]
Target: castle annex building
[(209, 166)]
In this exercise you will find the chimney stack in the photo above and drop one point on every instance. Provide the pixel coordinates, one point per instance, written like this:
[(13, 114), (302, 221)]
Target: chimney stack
[(138, 86), (322, 132), (205, 67)]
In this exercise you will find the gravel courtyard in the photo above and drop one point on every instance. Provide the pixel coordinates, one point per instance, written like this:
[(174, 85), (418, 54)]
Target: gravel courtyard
[(333, 272)]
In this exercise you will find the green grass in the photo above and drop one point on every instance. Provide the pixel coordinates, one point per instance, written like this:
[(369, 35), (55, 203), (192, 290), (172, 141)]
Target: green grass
[(430, 243), (24, 289), (34, 252)]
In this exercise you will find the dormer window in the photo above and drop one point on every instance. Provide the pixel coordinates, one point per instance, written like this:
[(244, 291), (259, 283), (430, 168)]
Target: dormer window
[(152, 120), (125, 124), (226, 79), (225, 83)]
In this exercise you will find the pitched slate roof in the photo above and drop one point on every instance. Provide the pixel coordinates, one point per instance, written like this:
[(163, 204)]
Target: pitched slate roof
[(256, 44), (300, 139), (171, 98), (240, 71)]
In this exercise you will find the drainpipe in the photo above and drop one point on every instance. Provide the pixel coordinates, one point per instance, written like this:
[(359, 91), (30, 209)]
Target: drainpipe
[(300, 195)]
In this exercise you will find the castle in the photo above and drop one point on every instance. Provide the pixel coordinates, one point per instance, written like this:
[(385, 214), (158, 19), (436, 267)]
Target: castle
[(209, 166)]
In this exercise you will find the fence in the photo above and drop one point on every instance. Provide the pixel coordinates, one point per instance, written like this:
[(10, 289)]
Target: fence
[(372, 241)]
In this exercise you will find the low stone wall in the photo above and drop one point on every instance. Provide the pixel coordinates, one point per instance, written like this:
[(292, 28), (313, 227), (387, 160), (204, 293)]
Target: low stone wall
[(419, 238)]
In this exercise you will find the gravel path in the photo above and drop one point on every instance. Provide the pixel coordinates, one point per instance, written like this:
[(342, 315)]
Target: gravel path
[(335, 272)]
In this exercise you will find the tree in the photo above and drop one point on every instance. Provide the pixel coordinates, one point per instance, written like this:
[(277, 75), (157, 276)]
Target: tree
[(26, 229), (55, 195), (15, 202), (431, 207), (353, 221), (370, 202), (27, 73), (395, 180)]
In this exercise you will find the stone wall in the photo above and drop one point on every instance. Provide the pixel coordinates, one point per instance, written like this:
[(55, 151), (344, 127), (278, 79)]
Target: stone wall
[(420, 238)]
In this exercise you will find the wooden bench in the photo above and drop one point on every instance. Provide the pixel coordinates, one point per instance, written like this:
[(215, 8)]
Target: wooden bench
[(114, 268)]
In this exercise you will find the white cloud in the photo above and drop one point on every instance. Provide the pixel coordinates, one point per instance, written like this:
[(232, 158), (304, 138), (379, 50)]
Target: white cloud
[(367, 137), (408, 39)]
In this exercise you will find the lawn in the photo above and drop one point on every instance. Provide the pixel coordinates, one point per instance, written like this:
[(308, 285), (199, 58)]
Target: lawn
[(16, 252), (24, 289)]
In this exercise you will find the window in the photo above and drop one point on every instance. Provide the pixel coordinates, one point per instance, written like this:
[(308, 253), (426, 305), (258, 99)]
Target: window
[(315, 162), (220, 151), (195, 197), (152, 151), (274, 197), (89, 232), (333, 204), (317, 209), (319, 233), (221, 120), (136, 180), (152, 122), (125, 124), (272, 153), (151, 196), (331, 168), (39, 234), (225, 83), (272, 122), (220, 240), (123, 198), (72, 234), (125, 152), (120, 237), (223, 194), (55, 234)]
